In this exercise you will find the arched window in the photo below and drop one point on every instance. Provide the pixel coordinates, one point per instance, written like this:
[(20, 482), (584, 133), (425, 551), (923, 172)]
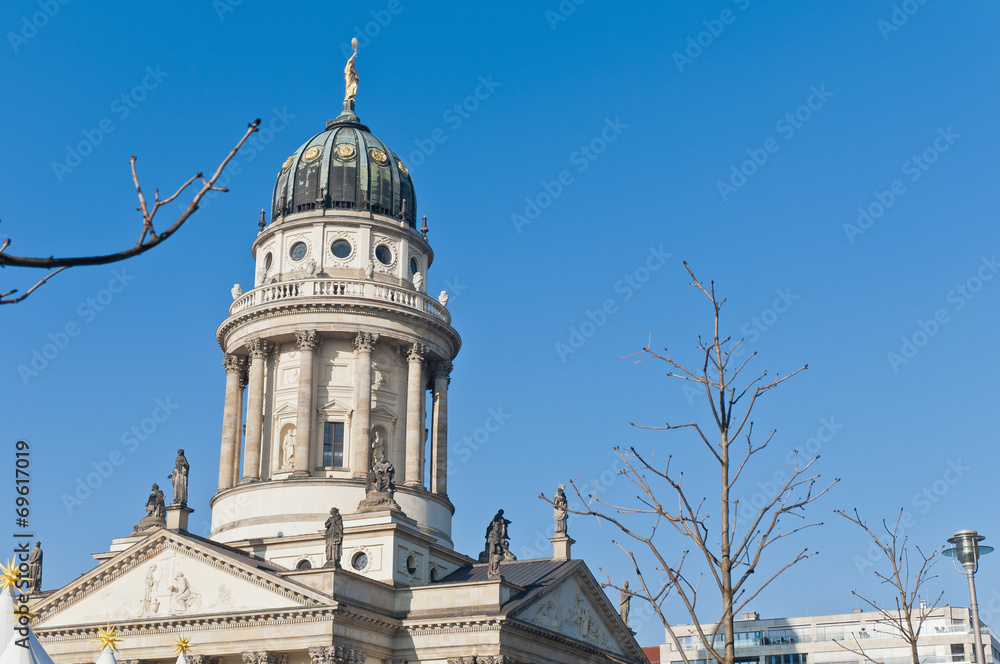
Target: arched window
[(304, 564)]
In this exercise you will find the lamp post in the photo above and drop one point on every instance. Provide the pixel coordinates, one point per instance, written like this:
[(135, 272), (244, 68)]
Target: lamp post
[(967, 551)]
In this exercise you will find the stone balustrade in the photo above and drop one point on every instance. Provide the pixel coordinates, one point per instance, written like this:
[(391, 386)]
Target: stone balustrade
[(340, 288)]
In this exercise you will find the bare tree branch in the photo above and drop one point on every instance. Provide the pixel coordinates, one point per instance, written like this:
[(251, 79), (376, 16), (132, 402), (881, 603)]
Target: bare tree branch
[(904, 620), (147, 239), (663, 506)]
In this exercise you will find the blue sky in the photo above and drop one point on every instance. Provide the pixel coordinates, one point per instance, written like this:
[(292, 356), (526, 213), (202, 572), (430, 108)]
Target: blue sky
[(831, 168)]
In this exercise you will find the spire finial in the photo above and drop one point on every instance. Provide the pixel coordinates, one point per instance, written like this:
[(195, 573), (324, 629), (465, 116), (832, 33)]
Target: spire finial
[(262, 223), (351, 78), (423, 227)]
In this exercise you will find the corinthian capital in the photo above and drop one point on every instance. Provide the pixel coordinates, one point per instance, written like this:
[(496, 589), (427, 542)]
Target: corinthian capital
[(336, 655), (264, 657), (416, 353), (307, 339), (442, 369), (260, 348), (202, 659), (233, 363), (365, 341)]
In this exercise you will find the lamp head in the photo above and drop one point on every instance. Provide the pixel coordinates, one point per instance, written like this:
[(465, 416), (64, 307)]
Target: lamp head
[(967, 549)]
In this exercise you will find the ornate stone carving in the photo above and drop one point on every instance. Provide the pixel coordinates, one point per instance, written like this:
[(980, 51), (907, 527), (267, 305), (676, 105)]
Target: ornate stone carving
[(234, 363), (149, 605), (335, 655), (443, 298), (236, 291), (260, 348), (182, 598), (443, 369), (307, 339), (202, 659), (264, 657), (547, 615), (416, 353), (580, 616), (365, 341), (481, 659)]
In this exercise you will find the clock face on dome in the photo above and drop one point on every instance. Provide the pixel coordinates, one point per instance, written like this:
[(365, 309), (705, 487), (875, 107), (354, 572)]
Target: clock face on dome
[(311, 153), (378, 156)]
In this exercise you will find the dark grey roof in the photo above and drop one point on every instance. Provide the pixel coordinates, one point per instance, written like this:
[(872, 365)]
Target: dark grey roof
[(524, 573)]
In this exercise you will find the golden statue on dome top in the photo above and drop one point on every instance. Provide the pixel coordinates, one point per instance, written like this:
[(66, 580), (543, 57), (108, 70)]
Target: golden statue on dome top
[(351, 75)]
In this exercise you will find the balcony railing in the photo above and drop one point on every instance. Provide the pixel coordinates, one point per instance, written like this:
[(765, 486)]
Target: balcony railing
[(339, 288)]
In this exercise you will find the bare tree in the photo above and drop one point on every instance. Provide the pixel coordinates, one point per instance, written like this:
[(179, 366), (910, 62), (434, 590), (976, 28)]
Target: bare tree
[(147, 239), (732, 559), (908, 617)]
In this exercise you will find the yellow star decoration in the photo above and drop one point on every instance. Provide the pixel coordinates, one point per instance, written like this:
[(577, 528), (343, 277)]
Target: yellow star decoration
[(107, 637), (182, 645), (25, 612), (10, 576)]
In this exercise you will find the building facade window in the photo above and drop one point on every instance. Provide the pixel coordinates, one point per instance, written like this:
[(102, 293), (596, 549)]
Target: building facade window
[(790, 658), (333, 444)]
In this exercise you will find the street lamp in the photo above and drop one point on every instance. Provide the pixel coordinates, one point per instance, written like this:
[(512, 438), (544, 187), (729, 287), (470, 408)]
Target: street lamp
[(967, 551)]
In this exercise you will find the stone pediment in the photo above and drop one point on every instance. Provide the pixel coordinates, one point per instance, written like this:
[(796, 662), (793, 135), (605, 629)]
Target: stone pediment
[(577, 608), (169, 576)]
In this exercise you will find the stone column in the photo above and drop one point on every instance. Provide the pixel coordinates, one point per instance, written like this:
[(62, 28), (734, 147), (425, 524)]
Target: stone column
[(414, 416), (259, 350), (364, 342), (230, 424), (307, 342), (439, 451), (240, 427)]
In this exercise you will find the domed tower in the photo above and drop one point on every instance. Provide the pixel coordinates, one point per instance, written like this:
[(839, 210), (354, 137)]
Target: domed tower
[(336, 347)]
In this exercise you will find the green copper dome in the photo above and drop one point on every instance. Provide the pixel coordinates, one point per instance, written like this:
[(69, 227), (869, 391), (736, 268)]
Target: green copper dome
[(345, 167)]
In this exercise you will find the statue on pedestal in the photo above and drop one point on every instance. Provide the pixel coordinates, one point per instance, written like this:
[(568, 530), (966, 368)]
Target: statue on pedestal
[(559, 506), (334, 538), (497, 539), (155, 505), (180, 478), (156, 511), (288, 449), (351, 76), (381, 487), (624, 599), (35, 569)]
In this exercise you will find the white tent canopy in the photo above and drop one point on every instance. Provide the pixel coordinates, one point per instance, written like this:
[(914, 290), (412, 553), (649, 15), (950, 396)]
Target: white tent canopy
[(107, 657), (7, 608), (33, 654)]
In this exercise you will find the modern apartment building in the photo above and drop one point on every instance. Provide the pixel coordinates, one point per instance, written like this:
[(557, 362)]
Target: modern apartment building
[(946, 636)]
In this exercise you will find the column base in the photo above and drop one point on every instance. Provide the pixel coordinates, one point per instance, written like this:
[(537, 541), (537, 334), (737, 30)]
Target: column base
[(299, 474)]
